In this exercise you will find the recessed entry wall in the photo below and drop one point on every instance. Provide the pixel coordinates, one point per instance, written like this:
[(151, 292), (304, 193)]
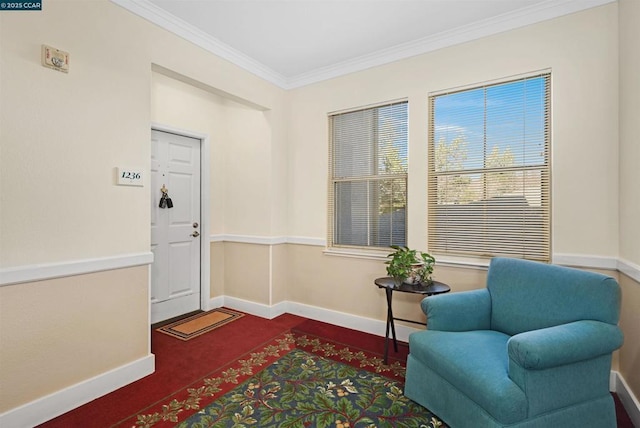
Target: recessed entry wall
[(240, 137)]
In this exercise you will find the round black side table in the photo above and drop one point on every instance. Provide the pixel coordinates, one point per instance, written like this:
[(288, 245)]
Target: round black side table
[(390, 286)]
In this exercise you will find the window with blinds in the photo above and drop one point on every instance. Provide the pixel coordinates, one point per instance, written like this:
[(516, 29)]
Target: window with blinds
[(368, 177), (489, 170)]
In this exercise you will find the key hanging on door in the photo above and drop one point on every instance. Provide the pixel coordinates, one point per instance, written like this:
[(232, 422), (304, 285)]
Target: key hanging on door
[(165, 200)]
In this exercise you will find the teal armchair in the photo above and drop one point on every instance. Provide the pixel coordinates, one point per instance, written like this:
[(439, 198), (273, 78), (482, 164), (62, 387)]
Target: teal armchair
[(533, 349)]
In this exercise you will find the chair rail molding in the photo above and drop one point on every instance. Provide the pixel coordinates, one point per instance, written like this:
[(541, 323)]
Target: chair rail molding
[(44, 271), (586, 261), (268, 240), (630, 269)]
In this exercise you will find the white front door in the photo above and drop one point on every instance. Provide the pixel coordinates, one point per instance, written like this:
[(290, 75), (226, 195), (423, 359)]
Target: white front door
[(175, 231)]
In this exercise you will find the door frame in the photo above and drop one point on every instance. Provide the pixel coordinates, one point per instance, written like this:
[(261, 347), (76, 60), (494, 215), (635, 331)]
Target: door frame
[(205, 210)]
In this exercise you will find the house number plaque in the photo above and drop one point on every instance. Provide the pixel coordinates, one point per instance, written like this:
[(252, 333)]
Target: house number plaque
[(130, 177)]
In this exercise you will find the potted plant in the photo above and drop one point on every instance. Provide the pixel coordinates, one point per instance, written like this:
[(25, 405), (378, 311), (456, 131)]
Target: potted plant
[(410, 266)]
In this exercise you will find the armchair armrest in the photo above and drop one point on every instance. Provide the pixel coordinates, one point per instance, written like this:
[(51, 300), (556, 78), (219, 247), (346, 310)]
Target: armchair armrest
[(563, 344), (464, 311)]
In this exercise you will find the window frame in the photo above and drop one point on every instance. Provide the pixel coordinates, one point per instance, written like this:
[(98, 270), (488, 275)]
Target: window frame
[(367, 251), (436, 212)]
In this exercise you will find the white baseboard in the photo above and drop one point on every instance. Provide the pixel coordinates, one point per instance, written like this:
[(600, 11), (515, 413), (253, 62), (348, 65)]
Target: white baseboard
[(253, 308), (628, 399), (53, 405), (367, 325), (216, 302)]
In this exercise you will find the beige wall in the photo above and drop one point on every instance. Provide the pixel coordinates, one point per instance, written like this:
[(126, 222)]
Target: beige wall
[(629, 178), (183, 106), (217, 262), (246, 272), (346, 284), (280, 267), (584, 66), (629, 355), (241, 149), (629, 130), (60, 332), (244, 151), (62, 136)]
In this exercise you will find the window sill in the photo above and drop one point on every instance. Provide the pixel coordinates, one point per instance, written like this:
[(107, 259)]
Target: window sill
[(445, 261), (357, 253), (460, 262)]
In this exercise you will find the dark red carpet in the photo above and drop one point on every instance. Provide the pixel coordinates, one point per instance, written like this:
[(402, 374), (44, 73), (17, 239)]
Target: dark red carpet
[(178, 365), (355, 340), (181, 364)]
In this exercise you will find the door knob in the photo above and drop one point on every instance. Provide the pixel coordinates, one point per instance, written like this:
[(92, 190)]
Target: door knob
[(195, 234)]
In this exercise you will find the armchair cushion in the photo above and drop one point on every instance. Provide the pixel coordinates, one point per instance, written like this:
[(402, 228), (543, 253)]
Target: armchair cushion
[(475, 362), (563, 344), (527, 295), (469, 310)]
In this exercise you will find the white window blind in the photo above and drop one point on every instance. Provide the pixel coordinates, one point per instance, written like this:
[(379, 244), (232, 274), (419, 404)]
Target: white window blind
[(489, 170), (368, 177)]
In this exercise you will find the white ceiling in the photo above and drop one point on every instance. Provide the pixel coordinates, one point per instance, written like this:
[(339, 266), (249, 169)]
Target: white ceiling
[(296, 42)]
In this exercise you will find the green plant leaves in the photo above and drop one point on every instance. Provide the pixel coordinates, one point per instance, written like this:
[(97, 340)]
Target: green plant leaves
[(405, 263)]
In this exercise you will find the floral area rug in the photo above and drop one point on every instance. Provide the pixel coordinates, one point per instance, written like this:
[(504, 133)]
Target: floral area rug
[(303, 389), (296, 382)]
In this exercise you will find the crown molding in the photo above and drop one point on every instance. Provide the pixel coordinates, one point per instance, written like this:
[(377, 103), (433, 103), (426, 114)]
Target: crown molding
[(526, 16), (522, 17), (177, 26)]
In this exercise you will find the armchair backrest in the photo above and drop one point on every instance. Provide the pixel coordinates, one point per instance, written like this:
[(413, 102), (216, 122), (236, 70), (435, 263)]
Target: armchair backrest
[(528, 295)]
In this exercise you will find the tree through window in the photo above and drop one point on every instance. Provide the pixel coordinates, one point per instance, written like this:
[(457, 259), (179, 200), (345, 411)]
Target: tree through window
[(489, 172), (368, 177)]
